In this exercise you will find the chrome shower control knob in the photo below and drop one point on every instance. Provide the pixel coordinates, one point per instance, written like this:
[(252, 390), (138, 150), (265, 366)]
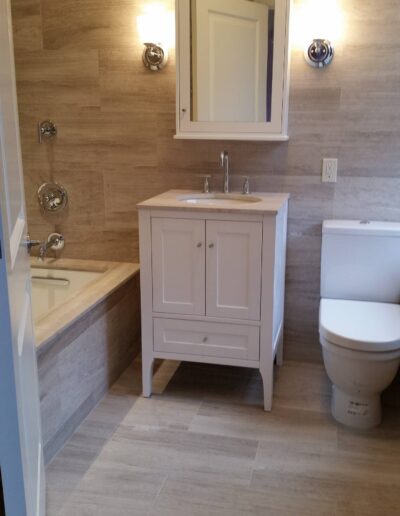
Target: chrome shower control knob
[(52, 197)]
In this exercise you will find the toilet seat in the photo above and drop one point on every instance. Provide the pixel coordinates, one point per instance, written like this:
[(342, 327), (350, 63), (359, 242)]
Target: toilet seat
[(360, 325)]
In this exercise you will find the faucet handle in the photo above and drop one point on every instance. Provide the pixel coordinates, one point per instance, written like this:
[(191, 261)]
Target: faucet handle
[(246, 185), (56, 241), (206, 184)]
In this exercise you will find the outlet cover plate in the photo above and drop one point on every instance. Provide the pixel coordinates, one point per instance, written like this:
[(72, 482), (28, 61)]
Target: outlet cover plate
[(329, 170)]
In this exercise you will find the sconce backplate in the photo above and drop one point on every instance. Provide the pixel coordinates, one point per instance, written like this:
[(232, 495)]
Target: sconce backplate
[(154, 57), (320, 53)]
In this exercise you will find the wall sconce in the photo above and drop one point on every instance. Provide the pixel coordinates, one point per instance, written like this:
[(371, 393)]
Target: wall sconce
[(316, 30), (155, 57), (157, 32), (320, 53)]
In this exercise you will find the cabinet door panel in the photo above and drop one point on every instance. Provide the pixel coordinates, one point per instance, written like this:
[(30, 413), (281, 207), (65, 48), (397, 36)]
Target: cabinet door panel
[(178, 263), (233, 269)]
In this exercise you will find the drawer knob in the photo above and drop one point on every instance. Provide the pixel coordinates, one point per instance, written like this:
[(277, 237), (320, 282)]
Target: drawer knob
[(211, 246), (205, 339), (199, 244)]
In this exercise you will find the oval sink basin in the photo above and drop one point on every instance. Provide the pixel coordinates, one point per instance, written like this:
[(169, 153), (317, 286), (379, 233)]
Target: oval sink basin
[(218, 199)]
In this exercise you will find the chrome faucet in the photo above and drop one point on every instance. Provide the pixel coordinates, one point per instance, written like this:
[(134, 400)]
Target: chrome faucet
[(55, 241), (225, 166)]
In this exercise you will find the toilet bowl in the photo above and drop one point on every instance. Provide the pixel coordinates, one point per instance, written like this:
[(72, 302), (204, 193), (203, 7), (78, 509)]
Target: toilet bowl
[(361, 350), (359, 322)]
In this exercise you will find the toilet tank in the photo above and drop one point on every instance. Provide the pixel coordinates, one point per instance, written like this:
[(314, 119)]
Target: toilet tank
[(361, 260)]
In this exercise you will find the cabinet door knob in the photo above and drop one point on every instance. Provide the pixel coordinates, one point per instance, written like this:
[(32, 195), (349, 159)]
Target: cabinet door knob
[(210, 246), (205, 339), (199, 244)]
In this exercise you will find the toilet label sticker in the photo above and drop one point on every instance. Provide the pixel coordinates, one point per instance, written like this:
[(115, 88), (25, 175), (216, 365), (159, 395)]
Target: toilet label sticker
[(357, 408)]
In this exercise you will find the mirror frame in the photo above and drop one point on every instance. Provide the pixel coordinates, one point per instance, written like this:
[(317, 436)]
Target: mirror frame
[(276, 129)]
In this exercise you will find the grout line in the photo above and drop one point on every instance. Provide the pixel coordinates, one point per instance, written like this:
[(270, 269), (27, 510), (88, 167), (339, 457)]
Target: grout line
[(157, 495), (254, 462)]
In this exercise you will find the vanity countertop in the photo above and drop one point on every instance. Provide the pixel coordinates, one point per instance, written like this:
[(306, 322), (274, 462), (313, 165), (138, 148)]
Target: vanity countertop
[(177, 200)]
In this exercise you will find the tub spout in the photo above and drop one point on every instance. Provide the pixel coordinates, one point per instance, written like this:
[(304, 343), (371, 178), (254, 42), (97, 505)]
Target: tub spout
[(55, 241)]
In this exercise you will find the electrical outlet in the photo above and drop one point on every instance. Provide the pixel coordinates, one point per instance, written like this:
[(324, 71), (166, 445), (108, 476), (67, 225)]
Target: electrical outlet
[(329, 170)]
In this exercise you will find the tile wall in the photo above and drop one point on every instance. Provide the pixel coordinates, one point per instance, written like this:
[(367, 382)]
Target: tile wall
[(79, 64)]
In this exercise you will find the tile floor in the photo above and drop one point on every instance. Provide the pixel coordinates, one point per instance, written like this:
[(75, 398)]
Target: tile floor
[(202, 445)]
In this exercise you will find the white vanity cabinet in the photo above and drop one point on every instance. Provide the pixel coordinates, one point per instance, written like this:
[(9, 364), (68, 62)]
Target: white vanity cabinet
[(212, 284)]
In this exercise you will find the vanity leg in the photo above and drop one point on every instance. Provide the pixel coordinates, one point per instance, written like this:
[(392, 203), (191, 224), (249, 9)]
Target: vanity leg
[(267, 374), (147, 375)]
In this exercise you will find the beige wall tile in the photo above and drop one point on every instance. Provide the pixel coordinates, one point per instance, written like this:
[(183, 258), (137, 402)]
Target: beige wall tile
[(79, 63)]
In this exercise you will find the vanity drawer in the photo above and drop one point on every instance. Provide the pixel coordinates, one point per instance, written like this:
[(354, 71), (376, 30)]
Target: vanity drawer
[(207, 339)]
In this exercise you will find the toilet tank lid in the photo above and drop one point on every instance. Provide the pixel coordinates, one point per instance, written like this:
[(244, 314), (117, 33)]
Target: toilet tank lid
[(361, 227)]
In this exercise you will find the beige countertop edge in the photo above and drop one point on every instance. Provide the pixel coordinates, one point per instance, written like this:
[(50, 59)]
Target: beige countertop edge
[(79, 304), (271, 203)]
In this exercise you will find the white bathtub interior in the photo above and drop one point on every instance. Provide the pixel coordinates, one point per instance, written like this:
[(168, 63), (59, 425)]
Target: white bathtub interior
[(51, 287)]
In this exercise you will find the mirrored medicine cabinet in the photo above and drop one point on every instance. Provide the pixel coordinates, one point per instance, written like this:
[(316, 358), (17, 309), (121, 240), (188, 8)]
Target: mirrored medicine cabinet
[(232, 69)]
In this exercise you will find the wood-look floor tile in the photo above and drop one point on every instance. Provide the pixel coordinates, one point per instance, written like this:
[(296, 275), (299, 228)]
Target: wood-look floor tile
[(325, 462), (159, 412), (115, 489), (212, 382), (176, 451), (135, 456), (199, 497), (293, 494), (309, 391), (302, 428), (381, 443)]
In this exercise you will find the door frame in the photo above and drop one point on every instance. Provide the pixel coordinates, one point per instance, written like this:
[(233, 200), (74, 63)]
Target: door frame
[(16, 472), (10, 446)]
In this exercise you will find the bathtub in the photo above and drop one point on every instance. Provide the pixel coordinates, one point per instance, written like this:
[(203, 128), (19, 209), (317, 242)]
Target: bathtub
[(86, 318), (52, 287)]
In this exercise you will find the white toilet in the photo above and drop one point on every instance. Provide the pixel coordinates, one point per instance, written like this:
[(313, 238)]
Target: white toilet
[(359, 324)]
